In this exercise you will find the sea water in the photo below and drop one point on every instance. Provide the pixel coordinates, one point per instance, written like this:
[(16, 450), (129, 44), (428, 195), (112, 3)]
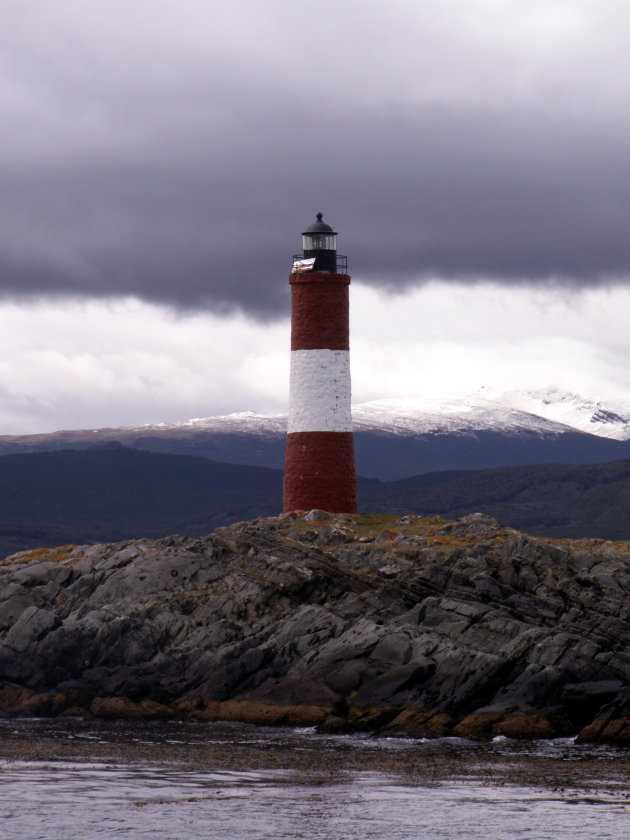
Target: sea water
[(83, 779)]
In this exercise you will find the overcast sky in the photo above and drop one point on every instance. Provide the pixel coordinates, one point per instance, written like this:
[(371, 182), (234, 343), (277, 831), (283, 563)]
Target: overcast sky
[(159, 161)]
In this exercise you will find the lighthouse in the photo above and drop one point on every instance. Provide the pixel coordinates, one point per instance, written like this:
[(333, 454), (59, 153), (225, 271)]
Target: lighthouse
[(319, 467)]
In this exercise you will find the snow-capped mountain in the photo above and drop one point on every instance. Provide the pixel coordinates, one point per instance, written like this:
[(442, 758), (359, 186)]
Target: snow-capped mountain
[(449, 416), (395, 438), (544, 411), (241, 422), (540, 412), (606, 418)]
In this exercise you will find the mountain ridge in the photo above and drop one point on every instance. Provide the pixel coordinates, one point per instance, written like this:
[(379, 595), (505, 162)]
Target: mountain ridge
[(548, 410), (393, 438)]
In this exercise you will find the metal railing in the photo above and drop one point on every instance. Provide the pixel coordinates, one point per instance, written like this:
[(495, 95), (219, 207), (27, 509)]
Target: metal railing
[(342, 262)]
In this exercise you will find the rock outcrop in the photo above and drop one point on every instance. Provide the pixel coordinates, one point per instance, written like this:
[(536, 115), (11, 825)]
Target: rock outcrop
[(399, 625)]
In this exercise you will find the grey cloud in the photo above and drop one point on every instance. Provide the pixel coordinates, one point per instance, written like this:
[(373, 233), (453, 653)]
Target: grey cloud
[(184, 174)]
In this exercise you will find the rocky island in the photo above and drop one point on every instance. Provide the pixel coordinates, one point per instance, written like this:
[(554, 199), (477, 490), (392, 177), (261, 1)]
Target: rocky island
[(398, 625)]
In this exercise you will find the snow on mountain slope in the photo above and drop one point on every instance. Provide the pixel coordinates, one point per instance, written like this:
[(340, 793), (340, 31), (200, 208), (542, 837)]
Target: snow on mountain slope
[(241, 422), (545, 413), (463, 415), (610, 418), (548, 411)]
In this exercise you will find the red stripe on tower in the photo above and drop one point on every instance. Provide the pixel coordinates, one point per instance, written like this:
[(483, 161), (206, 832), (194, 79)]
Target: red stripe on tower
[(319, 467)]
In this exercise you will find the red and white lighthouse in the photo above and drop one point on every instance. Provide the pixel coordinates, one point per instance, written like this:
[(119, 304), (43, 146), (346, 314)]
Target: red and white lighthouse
[(319, 468)]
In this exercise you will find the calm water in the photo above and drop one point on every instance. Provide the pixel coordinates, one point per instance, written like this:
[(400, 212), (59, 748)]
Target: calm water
[(80, 779)]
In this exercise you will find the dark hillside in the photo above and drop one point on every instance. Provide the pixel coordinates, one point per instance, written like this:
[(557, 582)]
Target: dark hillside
[(552, 500), (379, 454), (111, 492), (392, 457)]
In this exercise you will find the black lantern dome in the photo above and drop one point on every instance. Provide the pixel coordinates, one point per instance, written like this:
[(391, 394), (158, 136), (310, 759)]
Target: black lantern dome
[(319, 242)]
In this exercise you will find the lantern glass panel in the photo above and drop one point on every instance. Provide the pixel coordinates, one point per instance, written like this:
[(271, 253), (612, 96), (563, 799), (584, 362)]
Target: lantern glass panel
[(319, 242)]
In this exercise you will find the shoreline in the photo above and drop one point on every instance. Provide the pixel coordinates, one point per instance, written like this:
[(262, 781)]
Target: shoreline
[(389, 722)]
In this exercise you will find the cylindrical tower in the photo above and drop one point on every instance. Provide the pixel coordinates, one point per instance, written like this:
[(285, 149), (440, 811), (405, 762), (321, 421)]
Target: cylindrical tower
[(319, 468)]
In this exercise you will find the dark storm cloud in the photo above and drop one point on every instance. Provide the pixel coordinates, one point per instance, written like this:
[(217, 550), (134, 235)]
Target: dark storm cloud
[(178, 157)]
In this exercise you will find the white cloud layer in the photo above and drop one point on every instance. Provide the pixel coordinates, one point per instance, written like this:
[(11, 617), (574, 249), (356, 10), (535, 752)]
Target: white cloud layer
[(70, 364), (448, 339)]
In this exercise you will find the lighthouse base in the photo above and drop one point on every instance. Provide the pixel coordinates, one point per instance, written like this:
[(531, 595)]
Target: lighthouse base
[(319, 472)]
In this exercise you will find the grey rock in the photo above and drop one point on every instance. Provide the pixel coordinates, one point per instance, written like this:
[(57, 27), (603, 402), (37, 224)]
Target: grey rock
[(392, 687), (395, 648), (37, 574), (32, 624), (449, 617), (15, 604), (316, 515)]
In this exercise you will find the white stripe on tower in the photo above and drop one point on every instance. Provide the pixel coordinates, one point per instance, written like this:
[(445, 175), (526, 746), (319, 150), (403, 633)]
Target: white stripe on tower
[(320, 391)]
